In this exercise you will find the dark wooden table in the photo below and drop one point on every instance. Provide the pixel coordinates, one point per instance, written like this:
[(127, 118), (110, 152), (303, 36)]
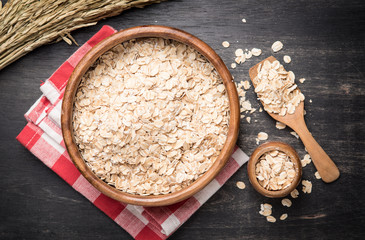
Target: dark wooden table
[(325, 40)]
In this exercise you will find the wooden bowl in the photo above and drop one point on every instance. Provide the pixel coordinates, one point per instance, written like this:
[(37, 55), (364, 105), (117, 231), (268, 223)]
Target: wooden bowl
[(92, 56), (255, 157)]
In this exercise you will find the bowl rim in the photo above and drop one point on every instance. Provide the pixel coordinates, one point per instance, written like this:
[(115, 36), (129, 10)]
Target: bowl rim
[(270, 146), (91, 56)]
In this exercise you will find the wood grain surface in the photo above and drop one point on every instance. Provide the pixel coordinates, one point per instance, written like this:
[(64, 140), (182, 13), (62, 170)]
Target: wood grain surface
[(325, 40)]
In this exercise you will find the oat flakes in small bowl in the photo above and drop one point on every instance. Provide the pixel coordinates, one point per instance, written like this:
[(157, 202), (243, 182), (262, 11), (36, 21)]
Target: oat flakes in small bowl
[(150, 115), (274, 169)]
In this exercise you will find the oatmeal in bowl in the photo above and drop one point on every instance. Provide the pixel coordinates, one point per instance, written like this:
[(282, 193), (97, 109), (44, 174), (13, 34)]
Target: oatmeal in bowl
[(274, 169), (150, 117)]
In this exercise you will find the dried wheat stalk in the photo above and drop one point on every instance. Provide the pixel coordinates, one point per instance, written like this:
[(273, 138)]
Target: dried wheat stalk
[(28, 24)]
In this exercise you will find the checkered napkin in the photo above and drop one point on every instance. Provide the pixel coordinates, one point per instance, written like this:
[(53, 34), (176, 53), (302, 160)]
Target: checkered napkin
[(42, 136)]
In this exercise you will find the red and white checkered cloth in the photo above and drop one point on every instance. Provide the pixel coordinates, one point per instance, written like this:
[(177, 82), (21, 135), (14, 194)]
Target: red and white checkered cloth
[(42, 136)]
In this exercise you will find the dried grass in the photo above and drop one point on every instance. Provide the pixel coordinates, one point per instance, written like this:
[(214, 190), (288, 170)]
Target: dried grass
[(28, 24)]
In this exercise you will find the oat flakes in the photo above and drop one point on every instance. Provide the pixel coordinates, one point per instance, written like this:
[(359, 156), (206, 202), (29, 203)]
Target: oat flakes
[(294, 193), (238, 52), (306, 160), (246, 85), (262, 136), (280, 125), (248, 54), (271, 219), (265, 209), (150, 116), (307, 186), (277, 46), (294, 134), (225, 44), (287, 59), (284, 216), (256, 52), (286, 202), (275, 170), (276, 88), (241, 185)]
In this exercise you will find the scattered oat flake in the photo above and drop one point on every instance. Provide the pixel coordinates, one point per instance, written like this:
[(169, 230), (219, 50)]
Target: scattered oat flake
[(233, 65), (271, 219), (317, 175), (306, 160), (267, 206), (287, 59), (284, 216), (265, 209), (238, 52), (286, 202), (241, 185), (243, 20), (310, 100), (294, 134), (307, 186), (280, 125), (301, 80), (262, 136), (256, 52), (260, 109), (225, 44), (257, 141), (246, 85), (248, 119), (240, 59), (246, 105), (277, 46), (294, 193), (248, 54)]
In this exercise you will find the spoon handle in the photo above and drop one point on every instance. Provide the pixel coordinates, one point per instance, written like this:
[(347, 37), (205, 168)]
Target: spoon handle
[(325, 166)]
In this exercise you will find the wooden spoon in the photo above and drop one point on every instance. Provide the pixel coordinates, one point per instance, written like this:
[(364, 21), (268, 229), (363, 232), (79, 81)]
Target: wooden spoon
[(325, 166)]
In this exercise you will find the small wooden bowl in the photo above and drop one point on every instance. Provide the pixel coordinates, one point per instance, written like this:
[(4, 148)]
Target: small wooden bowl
[(92, 56), (267, 147)]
